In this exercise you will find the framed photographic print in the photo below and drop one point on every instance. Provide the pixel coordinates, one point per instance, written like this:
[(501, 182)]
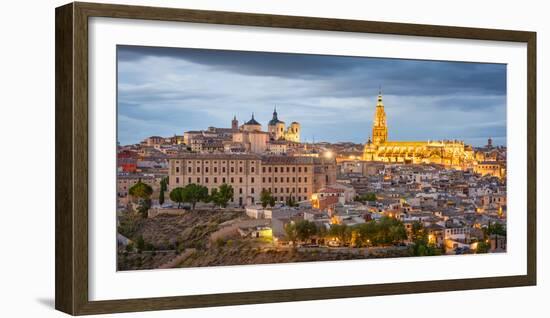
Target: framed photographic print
[(211, 158)]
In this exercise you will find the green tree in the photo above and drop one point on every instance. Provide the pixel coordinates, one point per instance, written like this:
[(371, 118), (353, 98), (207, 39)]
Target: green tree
[(142, 193), (140, 190), (177, 195), (291, 202), (140, 243), (495, 229), (161, 196), (290, 232), (340, 231), (482, 247), (368, 233), (144, 206), (305, 230), (371, 197), (223, 195), (266, 198), (164, 184), (194, 193), (421, 245)]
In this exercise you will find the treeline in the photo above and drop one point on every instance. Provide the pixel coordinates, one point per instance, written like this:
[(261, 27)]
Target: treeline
[(194, 193), (191, 193), (385, 231)]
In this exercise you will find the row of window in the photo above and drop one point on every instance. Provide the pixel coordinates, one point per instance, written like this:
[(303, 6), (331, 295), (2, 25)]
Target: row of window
[(240, 179), (282, 190), (282, 169), (252, 169), (282, 179), (272, 190), (279, 199)]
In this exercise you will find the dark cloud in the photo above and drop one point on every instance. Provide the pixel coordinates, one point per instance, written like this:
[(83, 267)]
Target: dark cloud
[(351, 76), (173, 90)]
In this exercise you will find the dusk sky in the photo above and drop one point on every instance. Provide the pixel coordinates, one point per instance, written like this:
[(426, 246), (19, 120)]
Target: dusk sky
[(166, 91)]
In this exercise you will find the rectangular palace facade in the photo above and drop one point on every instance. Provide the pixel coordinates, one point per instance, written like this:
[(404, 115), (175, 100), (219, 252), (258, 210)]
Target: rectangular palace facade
[(249, 174)]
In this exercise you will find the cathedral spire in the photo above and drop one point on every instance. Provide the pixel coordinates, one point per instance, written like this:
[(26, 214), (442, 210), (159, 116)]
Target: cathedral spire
[(379, 126), (380, 103)]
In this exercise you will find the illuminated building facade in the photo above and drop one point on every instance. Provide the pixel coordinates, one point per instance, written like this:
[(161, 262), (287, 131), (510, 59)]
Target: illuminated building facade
[(278, 131), (453, 153)]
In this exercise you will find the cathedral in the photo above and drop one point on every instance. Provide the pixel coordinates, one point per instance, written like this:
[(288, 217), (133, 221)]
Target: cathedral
[(451, 153)]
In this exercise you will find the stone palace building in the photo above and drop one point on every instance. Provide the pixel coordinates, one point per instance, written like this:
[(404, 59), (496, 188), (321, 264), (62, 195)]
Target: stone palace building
[(286, 177)]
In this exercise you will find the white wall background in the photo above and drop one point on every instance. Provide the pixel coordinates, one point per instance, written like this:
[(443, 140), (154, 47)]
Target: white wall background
[(27, 157)]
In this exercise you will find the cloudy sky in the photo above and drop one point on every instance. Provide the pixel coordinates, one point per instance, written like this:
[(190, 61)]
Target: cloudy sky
[(166, 91)]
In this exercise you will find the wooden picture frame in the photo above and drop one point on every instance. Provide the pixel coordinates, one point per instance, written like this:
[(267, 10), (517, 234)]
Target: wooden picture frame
[(71, 90)]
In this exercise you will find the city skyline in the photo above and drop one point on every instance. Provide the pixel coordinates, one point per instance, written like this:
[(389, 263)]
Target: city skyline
[(166, 91)]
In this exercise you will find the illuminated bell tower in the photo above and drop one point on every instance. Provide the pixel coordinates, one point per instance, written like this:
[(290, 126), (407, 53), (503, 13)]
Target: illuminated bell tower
[(379, 126)]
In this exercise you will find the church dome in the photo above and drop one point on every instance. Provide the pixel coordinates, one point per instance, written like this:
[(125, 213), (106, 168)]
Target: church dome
[(252, 121), (275, 120)]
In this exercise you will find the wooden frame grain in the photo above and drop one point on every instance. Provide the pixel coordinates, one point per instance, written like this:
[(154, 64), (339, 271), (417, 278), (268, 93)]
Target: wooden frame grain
[(71, 154)]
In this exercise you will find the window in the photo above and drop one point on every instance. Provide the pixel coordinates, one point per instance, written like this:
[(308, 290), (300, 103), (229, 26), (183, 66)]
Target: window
[(275, 190), (269, 169), (206, 169), (198, 169), (282, 190), (293, 169), (223, 169), (275, 179), (206, 180), (240, 180), (251, 180), (189, 170), (299, 169), (215, 180), (232, 180), (287, 179), (252, 169), (305, 169), (215, 169), (223, 180), (276, 169), (240, 169), (198, 180), (299, 179), (177, 180), (269, 179), (287, 169), (305, 190), (241, 190), (263, 179), (305, 179), (252, 190), (232, 170), (189, 180), (177, 169), (263, 169), (293, 179), (299, 190)]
